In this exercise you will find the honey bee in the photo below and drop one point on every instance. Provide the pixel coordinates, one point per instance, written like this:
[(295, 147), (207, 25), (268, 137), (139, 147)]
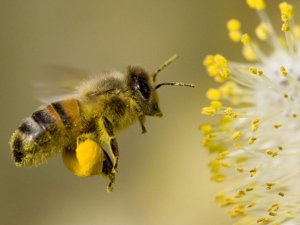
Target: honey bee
[(81, 125)]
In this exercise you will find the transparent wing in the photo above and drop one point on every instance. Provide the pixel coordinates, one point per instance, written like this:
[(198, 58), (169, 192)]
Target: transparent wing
[(58, 82)]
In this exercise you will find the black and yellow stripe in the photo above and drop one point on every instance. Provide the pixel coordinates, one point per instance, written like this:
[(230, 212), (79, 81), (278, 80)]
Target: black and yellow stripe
[(36, 133)]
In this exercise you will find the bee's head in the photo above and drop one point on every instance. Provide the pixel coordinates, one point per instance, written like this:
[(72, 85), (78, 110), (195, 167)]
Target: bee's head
[(143, 90), (143, 87)]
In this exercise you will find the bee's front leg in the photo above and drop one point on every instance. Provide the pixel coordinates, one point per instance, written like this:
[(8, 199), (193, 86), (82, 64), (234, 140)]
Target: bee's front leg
[(107, 127), (142, 120)]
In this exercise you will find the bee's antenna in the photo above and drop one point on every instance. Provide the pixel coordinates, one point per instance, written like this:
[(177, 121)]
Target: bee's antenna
[(174, 84), (164, 65)]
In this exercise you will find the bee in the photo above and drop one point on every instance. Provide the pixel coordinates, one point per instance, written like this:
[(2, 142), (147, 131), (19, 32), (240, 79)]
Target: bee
[(82, 125)]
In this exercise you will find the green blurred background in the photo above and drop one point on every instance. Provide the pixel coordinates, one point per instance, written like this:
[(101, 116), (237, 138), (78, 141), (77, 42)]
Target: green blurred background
[(163, 177)]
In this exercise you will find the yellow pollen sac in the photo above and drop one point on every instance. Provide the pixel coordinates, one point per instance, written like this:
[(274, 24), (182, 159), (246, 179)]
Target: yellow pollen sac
[(233, 25), (235, 36), (240, 169), (270, 152), (223, 155), (230, 113), (255, 125), (237, 211), (240, 194), (249, 189), (219, 178), (252, 140), (206, 128), (217, 67), (236, 135), (250, 205), (280, 148), (256, 71), (274, 207), (216, 105), (286, 96), (262, 32), (248, 53), (281, 194), (277, 125), (245, 39), (213, 94), (272, 213), (287, 11), (209, 111), (253, 172), (269, 186), (227, 89), (283, 71), (264, 220), (285, 27), (256, 4)]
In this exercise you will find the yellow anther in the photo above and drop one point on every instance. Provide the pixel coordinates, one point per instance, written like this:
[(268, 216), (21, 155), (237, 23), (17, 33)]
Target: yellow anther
[(216, 105), (215, 166), (274, 207), (270, 152), (241, 159), (277, 125), (227, 165), (235, 36), (269, 186), (283, 71), (218, 178), (222, 155), (285, 27), (206, 128), (272, 213), (294, 115), (245, 39), (253, 172), (255, 125), (217, 67), (256, 4), (237, 211), (256, 71), (236, 135), (213, 94), (227, 89), (252, 140), (227, 202), (240, 194), (280, 148), (264, 220), (249, 189), (209, 111), (250, 205), (286, 95), (287, 11), (248, 53), (240, 169), (281, 194), (233, 25), (230, 113), (262, 32)]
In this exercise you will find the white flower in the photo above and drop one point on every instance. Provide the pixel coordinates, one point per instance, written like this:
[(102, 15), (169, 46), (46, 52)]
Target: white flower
[(256, 142)]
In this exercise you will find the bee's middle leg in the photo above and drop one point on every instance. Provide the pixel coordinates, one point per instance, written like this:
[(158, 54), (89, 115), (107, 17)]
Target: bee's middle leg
[(113, 144)]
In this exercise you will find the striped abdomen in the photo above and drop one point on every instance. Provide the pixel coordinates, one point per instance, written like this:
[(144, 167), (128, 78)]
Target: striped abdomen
[(46, 132)]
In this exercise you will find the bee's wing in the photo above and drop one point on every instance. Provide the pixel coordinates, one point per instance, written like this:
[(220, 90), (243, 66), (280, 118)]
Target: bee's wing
[(58, 82)]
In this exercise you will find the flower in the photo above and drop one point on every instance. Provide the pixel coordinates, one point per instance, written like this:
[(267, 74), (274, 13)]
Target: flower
[(256, 139)]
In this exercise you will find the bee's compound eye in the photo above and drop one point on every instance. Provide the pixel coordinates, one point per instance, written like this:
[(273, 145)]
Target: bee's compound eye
[(142, 86)]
